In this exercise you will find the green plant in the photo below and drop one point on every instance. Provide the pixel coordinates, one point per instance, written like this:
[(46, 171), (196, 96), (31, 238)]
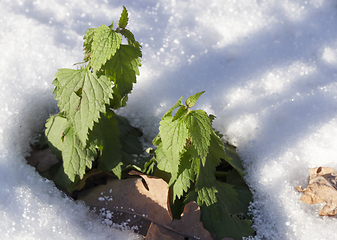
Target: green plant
[(90, 139), (188, 151), (86, 133)]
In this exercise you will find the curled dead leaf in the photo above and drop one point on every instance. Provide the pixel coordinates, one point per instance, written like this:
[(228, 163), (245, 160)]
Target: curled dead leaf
[(322, 188), (155, 233), (188, 226)]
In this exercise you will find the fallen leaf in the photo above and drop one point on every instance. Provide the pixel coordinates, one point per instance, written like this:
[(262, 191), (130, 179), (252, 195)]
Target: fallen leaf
[(143, 201), (188, 226), (322, 188), (155, 233)]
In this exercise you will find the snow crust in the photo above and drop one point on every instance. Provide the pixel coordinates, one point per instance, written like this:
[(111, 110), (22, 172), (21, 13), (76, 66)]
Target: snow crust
[(269, 70)]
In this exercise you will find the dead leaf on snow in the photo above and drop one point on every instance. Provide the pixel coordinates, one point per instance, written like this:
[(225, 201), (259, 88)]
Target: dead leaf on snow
[(322, 188), (141, 202)]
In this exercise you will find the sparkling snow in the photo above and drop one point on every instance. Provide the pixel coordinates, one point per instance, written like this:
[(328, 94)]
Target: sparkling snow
[(269, 69)]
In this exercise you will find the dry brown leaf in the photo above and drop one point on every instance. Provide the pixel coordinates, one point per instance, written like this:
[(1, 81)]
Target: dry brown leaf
[(322, 188), (189, 225), (155, 233), (141, 202), (130, 202), (42, 159)]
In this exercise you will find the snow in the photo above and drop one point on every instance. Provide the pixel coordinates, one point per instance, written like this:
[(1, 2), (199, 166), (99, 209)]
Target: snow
[(269, 70)]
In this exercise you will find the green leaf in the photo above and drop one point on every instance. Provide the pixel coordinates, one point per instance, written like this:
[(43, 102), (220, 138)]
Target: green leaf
[(189, 150), (193, 99), (205, 185), (173, 136), (228, 209), (129, 138), (182, 111), (82, 110), (105, 135), (131, 148), (165, 164), (123, 21), (179, 103), (228, 225), (216, 150), (199, 129), (233, 159), (122, 68), (104, 46), (76, 158), (130, 37), (55, 127), (185, 176), (228, 196), (244, 194), (87, 44), (60, 178), (220, 206), (157, 140), (149, 166)]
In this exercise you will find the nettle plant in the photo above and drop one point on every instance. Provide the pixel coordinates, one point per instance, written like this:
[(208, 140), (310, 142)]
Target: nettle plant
[(189, 150), (86, 133), (89, 138)]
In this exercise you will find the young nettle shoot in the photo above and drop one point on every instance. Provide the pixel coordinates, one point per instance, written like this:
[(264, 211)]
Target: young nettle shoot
[(86, 128), (89, 138), (189, 150)]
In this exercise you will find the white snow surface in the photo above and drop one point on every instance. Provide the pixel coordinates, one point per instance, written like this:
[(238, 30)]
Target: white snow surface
[(269, 69)]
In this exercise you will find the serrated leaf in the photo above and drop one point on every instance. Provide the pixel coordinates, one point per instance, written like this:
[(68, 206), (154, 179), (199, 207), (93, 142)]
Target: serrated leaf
[(211, 118), (105, 135), (228, 209), (199, 130), (244, 194), (206, 195), (233, 159), (182, 111), (228, 196), (193, 99), (76, 157), (179, 103), (130, 37), (83, 110), (164, 163), (205, 185), (123, 21), (216, 150), (227, 226), (122, 68), (87, 44), (196, 163), (173, 136), (129, 137), (131, 147), (104, 46), (220, 206), (55, 127), (157, 140), (185, 176)]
